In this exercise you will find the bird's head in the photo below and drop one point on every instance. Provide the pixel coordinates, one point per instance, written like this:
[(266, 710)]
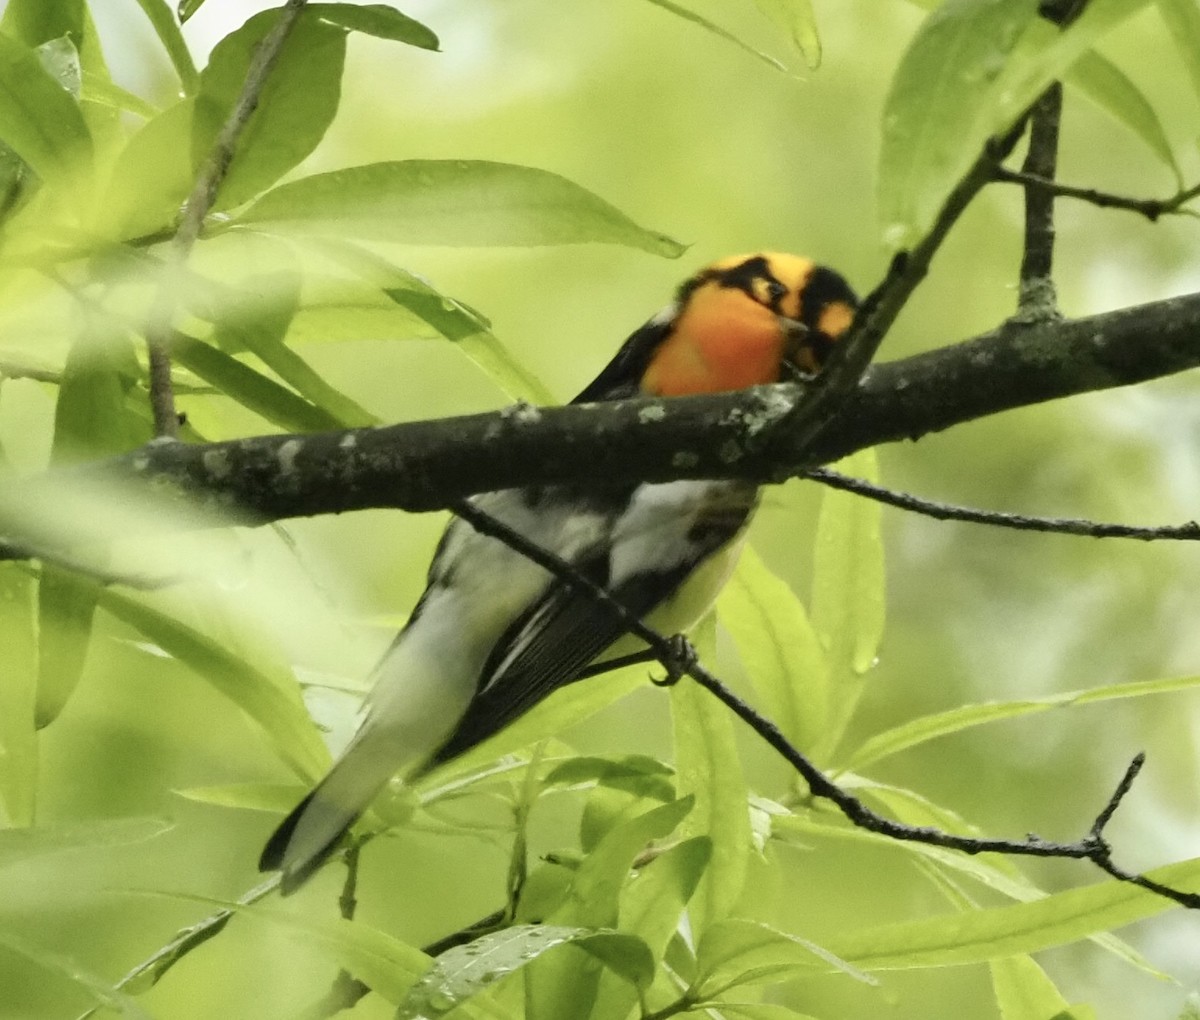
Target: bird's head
[(749, 320)]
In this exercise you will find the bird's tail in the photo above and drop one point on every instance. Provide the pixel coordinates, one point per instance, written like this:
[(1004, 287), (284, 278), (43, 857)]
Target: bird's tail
[(307, 836)]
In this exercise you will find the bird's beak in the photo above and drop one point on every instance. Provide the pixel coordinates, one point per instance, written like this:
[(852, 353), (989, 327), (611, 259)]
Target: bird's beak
[(799, 358)]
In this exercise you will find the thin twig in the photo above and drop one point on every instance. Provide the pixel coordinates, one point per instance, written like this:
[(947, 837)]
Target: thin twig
[(679, 659), (1189, 532), (196, 208), (1037, 300), (1151, 208)]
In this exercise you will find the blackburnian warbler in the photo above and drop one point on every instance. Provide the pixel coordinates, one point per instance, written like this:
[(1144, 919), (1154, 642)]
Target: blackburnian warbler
[(494, 634)]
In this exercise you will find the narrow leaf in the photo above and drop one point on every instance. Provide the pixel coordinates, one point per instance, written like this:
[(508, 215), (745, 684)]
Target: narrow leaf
[(96, 987), (1107, 86), (848, 592), (1182, 18), (463, 972), (295, 106), (30, 844), (1023, 991), (251, 388), (797, 20), (272, 701), (709, 770), (378, 20), (930, 727), (1017, 928), (18, 698), (688, 15), (778, 648), (158, 13), (451, 202), (39, 119)]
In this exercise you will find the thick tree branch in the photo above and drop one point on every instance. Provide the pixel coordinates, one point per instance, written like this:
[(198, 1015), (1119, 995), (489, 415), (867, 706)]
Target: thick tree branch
[(430, 465)]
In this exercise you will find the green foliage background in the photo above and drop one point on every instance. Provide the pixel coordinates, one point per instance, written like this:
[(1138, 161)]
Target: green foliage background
[(695, 137)]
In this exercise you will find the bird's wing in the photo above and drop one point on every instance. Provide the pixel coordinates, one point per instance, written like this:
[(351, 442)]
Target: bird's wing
[(549, 645), (620, 377)]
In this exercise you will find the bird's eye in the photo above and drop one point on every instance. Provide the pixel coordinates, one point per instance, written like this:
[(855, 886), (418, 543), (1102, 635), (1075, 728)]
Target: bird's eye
[(776, 290)]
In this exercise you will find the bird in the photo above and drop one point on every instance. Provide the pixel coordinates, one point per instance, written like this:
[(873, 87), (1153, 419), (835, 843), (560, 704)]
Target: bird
[(494, 633)]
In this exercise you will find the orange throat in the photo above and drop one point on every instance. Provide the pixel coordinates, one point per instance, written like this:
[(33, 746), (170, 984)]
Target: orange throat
[(724, 340)]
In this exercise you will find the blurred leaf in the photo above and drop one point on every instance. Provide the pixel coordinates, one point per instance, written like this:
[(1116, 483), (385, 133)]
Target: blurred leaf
[(18, 698), (451, 202), (709, 769), (465, 971), (446, 317), (39, 119), (34, 22), (31, 844), (97, 989), (1023, 991), (90, 421), (385, 963), (152, 176), (718, 31), (295, 107), (251, 388), (849, 596), (796, 18), (95, 89), (971, 71), (778, 649), (999, 932), (636, 774), (378, 20), (272, 701), (760, 1011), (158, 13), (736, 952), (1182, 18), (955, 720), (256, 317), (275, 797), (1106, 85)]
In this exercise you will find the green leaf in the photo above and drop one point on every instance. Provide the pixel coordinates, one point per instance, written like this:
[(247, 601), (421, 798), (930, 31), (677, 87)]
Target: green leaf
[(971, 71), (102, 92), (451, 202), (274, 797), (152, 176), (18, 699), (385, 963), (651, 908), (736, 952), (1182, 18), (848, 597), (1023, 991), (97, 989), (461, 973), (930, 727), (251, 388), (256, 317), (993, 934), (1106, 85), (636, 774), (187, 8), (778, 648), (90, 421), (39, 119), (266, 693), (295, 107), (34, 22), (797, 20), (31, 844), (760, 1011), (378, 20), (718, 31), (709, 769), (158, 13)]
